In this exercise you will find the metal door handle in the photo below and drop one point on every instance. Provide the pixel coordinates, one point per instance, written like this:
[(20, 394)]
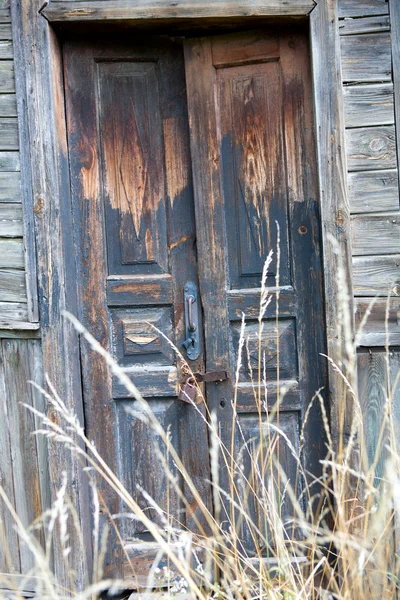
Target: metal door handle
[(192, 342)]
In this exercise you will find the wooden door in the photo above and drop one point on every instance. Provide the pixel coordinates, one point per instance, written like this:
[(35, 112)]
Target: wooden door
[(252, 148), (134, 233), (142, 229)]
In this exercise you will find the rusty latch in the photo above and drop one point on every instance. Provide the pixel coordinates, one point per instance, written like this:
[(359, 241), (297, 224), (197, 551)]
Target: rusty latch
[(211, 376)]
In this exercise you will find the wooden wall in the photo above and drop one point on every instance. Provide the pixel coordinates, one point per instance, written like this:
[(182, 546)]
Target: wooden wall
[(373, 185), (23, 457), (370, 95)]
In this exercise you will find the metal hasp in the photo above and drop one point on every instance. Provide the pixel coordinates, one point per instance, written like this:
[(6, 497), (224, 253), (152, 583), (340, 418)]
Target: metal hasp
[(192, 342)]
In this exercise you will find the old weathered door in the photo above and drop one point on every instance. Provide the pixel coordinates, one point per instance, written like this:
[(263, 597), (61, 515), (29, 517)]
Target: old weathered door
[(142, 230)]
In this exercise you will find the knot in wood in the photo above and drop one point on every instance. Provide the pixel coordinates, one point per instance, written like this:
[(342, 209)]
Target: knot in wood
[(39, 206)]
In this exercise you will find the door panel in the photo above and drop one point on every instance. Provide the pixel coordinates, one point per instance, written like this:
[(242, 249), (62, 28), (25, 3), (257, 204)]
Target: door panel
[(134, 232), (249, 98)]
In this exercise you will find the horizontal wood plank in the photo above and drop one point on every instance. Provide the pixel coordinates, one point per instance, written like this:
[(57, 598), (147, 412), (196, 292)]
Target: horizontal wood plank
[(370, 148), (137, 10), (10, 187), (366, 57), (151, 381), (8, 105), (362, 8), (376, 275), (5, 31), (366, 105), (374, 331), (9, 161), (6, 49), (11, 254), (11, 220), (373, 191), (7, 82), (364, 25), (12, 286), (13, 311), (139, 290), (18, 330), (375, 234), (248, 302), (9, 133)]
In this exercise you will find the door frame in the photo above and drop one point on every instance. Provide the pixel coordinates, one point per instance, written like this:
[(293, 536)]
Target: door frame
[(46, 193)]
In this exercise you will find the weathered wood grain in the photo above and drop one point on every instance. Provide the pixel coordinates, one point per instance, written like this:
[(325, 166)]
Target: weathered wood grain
[(22, 363), (5, 31), (395, 30), (165, 9), (9, 161), (366, 57), (335, 210), (19, 330), (8, 105), (9, 543), (370, 148), (10, 187), (374, 24), (366, 105), (13, 311), (375, 234), (6, 49), (12, 286), (43, 142), (377, 379), (362, 8), (376, 275), (11, 220), (11, 254), (7, 83), (373, 191), (5, 16), (374, 332), (8, 133)]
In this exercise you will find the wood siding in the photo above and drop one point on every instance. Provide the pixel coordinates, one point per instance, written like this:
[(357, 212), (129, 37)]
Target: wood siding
[(371, 94), (13, 295)]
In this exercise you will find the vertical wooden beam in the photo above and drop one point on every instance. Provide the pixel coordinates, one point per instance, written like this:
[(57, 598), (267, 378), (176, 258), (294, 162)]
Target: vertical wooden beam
[(26, 183), (40, 68), (335, 211), (394, 11)]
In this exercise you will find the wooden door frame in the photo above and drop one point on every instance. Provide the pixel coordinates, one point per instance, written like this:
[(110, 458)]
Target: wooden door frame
[(46, 193)]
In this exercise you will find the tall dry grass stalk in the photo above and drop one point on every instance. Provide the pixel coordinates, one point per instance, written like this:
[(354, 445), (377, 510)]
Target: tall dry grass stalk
[(322, 550)]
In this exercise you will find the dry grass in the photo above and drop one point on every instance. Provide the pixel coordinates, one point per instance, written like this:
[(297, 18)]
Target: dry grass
[(341, 544)]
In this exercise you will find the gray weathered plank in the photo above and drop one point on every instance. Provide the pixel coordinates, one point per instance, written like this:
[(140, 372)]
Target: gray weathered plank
[(374, 331), (366, 57), (12, 285), (8, 105), (6, 49), (366, 105), (11, 220), (395, 25), (5, 16), (10, 187), (13, 311), (9, 133), (19, 330), (9, 545), (5, 31), (22, 360), (376, 275), (43, 142), (335, 210), (7, 83), (373, 191), (362, 8), (11, 254), (364, 25), (9, 161), (165, 9), (370, 148), (375, 234)]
